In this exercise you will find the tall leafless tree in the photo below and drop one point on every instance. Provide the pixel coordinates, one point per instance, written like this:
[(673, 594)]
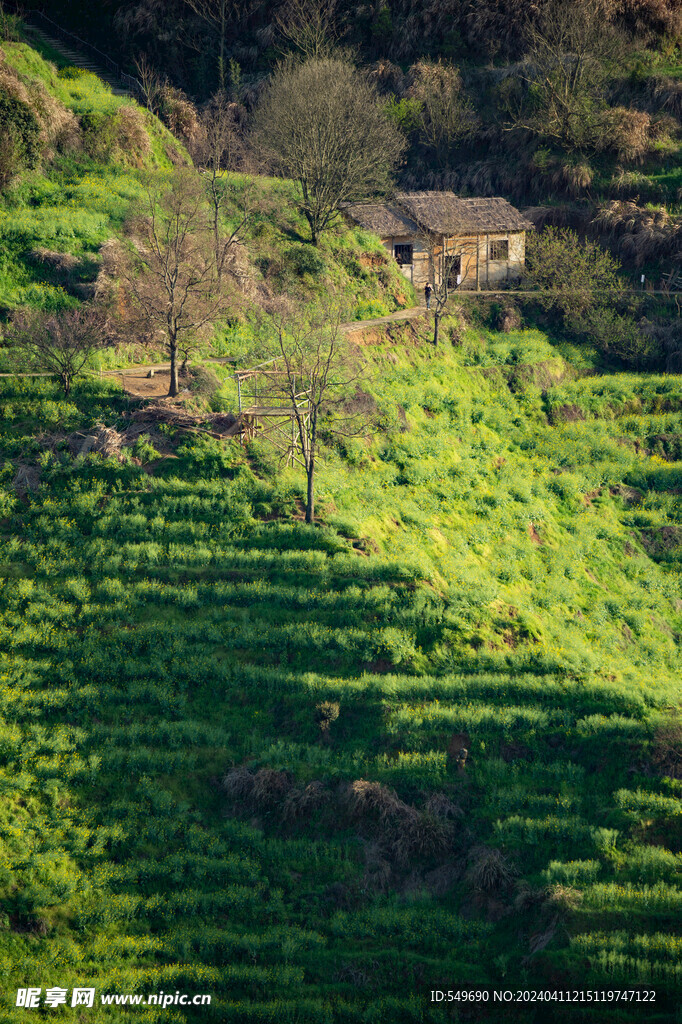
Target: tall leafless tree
[(172, 274), (309, 26), (446, 114), (572, 49), (450, 263), (321, 123), (317, 370), (149, 80), (217, 150), (216, 14)]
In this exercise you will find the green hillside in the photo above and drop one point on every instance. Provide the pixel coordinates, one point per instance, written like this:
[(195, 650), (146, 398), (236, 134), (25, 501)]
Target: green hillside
[(432, 742)]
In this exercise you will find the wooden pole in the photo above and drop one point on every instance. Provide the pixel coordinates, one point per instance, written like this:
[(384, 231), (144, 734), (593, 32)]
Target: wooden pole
[(478, 276), (487, 261)]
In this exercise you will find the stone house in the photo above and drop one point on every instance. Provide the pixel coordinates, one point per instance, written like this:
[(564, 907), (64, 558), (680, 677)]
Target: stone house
[(478, 243)]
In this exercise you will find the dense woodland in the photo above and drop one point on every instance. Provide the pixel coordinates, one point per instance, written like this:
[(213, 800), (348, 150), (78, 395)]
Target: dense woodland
[(316, 732)]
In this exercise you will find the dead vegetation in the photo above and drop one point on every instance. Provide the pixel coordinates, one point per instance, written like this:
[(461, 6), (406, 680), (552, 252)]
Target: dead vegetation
[(488, 870), (394, 832), (666, 750), (215, 424), (638, 233)]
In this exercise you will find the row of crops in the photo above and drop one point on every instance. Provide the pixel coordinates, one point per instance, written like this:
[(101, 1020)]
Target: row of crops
[(241, 757)]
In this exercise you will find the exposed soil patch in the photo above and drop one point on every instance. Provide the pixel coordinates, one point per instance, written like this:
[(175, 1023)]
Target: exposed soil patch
[(140, 385), (533, 534), (514, 752), (566, 414), (657, 541)]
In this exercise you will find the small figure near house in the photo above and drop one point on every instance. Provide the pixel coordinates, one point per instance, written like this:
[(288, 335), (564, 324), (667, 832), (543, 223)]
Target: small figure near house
[(427, 294)]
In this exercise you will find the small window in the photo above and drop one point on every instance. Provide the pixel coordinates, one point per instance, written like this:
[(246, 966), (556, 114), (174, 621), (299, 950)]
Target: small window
[(499, 250), (403, 255)]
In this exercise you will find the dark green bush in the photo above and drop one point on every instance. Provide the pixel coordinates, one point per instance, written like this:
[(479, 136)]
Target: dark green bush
[(100, 130), (20, 142), (305, 260)]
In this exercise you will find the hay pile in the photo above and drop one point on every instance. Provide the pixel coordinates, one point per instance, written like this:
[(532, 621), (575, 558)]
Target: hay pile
[(105, 441), (217, 424), (640, 234)]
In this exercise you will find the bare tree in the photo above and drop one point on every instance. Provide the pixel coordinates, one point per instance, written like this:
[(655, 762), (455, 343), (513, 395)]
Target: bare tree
[(572, 48), (217, 150), (58, 343), (450, 262), (321, 123), (172, 273), (149, 80), (219, 15), (309, 26), (216, 14), (446, 114), (316, 371)]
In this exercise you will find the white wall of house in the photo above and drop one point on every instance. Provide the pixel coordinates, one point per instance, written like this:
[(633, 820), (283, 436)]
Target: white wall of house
[(418, 270), (483, 273)]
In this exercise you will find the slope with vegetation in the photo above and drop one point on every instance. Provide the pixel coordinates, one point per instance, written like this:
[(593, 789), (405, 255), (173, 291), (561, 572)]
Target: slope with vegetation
[(318, 772), (429, 740)]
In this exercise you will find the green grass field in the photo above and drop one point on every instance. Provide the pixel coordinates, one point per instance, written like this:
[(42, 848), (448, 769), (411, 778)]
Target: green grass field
[(316, 773), (495, 572)]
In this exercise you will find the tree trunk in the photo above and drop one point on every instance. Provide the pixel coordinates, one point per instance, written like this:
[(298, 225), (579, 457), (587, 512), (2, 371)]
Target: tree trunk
[(174, 388), (221, 51), (216, 229), (310, 498)]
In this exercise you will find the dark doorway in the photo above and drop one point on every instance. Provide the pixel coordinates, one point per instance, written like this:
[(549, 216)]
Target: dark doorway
[(454, 269), (403, 255)]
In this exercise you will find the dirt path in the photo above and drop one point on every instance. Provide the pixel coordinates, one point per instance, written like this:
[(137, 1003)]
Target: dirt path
[(402, 314), (136, 381)]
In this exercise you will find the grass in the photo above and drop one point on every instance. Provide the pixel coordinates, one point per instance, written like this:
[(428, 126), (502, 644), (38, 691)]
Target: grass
[(82, 195), (163, 628), (318, 772)]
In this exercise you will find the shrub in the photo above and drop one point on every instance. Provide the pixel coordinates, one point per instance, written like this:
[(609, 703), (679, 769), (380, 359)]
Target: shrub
[(441, 806), (301, 803), (21, 136), (179, 115), (370, 799), (420, 836), (99, 128), (325, 713), (270, 787), (131, 136), (304, 259), (239, 784), (488, 870), (630, 133), (564, 897)]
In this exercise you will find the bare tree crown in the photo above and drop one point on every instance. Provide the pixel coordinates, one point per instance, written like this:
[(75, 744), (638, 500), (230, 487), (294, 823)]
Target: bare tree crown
[(321, 123)]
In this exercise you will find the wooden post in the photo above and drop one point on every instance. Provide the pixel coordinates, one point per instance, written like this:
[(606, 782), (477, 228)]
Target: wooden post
[(239, 392), (487, 262), (478, 276), (293, 439)]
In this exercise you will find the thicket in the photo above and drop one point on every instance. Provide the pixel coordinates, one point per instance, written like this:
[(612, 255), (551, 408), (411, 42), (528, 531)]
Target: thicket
[(613, 129)]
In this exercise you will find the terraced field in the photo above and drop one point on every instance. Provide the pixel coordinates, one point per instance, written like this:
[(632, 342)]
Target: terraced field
[(318, 773)]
